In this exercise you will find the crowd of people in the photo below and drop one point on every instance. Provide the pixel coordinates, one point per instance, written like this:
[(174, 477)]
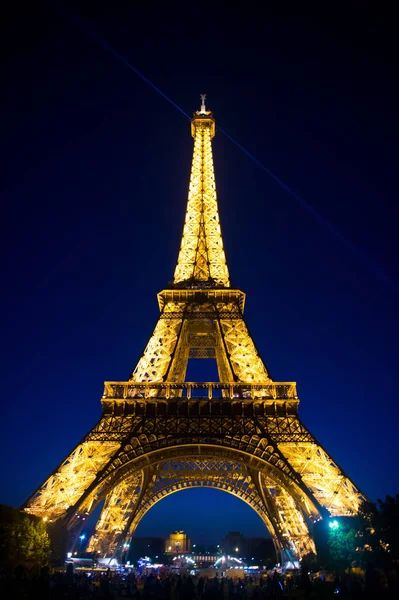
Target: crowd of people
[(42, 585)]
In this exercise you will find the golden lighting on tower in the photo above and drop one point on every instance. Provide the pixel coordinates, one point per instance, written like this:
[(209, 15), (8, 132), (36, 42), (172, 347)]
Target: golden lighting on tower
[(201, 256), (160, 434)]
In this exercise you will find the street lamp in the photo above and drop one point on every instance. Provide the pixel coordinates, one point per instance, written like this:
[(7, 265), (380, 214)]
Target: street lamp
[(333, 524), (237, 549)]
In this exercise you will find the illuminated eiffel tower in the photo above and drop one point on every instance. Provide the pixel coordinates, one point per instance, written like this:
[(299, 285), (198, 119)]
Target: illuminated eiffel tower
[(159, 434)]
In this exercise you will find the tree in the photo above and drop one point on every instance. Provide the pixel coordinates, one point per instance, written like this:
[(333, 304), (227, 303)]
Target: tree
[(371, 538), (342, 545), (32, 541), (59, 537), (379, 533), (23, 538), (309, 562)]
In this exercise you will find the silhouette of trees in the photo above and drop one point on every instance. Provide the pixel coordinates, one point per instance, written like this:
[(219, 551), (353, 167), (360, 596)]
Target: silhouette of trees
[(370, 538), (379, 534), (310, 562)]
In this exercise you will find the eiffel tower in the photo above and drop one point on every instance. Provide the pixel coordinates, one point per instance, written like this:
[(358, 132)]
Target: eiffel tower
[(159, 434)]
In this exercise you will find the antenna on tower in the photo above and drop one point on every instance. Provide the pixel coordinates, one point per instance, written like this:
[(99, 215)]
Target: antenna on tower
[(203, 97)]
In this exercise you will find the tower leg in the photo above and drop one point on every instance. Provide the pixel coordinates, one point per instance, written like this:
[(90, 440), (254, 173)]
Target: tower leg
[(119, 504)]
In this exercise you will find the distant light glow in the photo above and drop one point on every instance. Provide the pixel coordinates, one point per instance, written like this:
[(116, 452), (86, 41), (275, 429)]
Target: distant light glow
[(333, 524)]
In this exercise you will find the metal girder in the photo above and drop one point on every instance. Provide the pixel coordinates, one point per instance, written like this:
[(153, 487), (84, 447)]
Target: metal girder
[(156, 358), (166, 354), (118, 506), (289, 518), (245, 360), (70, 480), (322, 476)]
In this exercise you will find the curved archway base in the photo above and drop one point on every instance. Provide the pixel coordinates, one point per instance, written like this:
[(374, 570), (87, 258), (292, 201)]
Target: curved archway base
[(285, 511)]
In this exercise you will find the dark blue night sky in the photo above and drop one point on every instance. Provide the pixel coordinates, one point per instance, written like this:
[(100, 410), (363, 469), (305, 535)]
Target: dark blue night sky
[(93, 199)]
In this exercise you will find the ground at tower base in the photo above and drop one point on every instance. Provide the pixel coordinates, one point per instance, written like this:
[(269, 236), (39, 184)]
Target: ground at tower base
[(356, 558), (163, 584)]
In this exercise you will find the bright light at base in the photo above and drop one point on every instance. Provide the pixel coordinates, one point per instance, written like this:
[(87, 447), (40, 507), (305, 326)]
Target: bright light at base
[(333, 524)]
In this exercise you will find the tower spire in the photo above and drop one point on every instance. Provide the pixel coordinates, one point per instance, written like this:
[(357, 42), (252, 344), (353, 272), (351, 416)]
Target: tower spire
[(201, 259), (203, 108)]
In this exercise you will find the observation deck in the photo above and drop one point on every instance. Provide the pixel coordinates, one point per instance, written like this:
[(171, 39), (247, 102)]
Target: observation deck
[(202, 295), (189, 398)]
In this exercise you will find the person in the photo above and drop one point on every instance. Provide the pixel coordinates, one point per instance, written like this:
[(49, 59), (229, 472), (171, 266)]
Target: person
[(134, 590), (200, 587), (277, 587), (305, 583), (250, 588), (187, 590), (212, 589), (19, 585)]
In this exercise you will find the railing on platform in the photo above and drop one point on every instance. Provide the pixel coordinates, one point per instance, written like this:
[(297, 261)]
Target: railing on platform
[(125, 390)]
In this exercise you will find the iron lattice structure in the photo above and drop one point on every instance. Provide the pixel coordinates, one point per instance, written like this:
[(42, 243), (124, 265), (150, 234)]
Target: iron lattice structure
[(159, 434)]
